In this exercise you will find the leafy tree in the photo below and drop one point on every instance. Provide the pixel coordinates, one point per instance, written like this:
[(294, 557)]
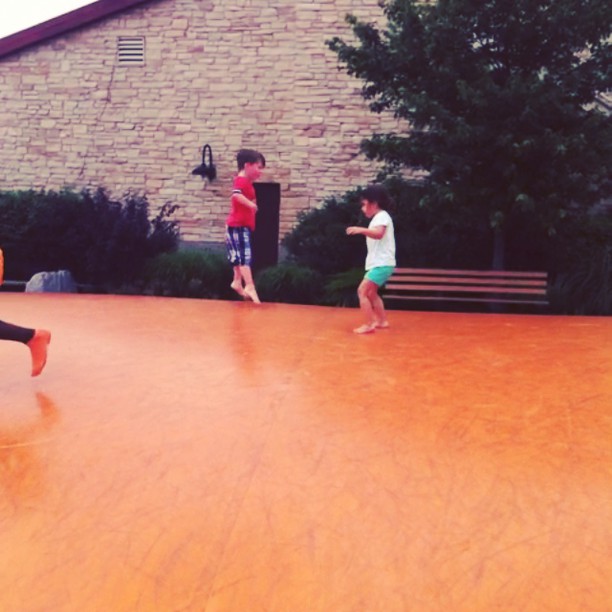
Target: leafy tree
[(499, 96)]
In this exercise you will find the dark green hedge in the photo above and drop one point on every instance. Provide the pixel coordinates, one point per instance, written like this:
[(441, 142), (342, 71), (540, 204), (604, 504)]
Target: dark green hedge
[(187, 273), (578, 257), (100, 240)]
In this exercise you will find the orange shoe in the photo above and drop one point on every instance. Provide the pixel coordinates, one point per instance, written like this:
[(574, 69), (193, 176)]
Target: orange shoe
[(38, 348)]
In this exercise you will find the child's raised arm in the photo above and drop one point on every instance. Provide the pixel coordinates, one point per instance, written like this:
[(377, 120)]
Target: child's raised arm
[(376, 232)]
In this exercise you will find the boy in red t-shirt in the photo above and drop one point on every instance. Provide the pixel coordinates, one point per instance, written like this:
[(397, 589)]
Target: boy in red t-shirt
[(241, 222)]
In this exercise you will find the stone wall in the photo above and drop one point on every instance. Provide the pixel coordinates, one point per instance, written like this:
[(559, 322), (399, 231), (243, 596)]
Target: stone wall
[(245, 73)]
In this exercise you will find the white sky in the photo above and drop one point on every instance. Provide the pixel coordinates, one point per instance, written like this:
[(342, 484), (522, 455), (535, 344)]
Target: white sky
[(16, 15)]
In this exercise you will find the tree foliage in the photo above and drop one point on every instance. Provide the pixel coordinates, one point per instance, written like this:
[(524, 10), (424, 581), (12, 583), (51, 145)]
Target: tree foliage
[(499, 96)]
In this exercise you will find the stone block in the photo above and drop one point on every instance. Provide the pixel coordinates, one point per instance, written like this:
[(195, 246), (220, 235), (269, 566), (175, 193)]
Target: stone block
[(55, 282)]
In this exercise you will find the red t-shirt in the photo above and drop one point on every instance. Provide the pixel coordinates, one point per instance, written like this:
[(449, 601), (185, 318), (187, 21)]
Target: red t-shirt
[(242, 216)]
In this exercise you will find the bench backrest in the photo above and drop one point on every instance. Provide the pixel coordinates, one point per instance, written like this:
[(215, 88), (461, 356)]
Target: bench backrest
[(468, 286)]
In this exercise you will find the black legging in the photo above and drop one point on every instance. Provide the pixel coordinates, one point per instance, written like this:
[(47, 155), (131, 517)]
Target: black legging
[(16, 333)]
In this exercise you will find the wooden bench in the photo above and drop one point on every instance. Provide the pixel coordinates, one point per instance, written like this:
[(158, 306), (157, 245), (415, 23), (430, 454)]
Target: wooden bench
[(491, 286)]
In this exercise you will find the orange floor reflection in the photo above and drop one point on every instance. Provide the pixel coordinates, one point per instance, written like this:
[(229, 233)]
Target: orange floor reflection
[(215, 456)]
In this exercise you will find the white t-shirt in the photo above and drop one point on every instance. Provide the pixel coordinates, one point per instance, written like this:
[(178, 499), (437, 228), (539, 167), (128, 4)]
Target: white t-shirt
[(381, 252)]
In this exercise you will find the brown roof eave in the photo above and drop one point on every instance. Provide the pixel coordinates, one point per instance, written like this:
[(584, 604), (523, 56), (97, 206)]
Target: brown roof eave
[(63, 24)]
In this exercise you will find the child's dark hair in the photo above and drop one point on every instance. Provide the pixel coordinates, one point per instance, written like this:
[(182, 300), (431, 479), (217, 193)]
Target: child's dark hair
[(249, 156), (379, 194)]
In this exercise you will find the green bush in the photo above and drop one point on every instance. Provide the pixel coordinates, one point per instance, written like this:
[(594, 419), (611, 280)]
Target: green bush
[(290, 284), (100, 240), (580, 258), (341, 289), (190, 273), (319, 239)]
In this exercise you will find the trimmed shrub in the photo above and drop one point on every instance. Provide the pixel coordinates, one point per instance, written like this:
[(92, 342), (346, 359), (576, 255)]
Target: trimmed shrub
[(319, 239), (190, 273), (580, 258), (341, 289), (290, 284), (100, 240)]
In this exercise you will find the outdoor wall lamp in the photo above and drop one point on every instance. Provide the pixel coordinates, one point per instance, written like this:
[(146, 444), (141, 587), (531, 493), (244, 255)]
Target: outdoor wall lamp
[(206, 170)]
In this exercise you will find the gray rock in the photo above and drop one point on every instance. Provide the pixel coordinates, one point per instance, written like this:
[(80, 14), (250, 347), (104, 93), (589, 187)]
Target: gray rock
[(56, 282)]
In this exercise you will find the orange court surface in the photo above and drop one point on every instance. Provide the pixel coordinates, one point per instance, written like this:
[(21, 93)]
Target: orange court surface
[(180, 455)]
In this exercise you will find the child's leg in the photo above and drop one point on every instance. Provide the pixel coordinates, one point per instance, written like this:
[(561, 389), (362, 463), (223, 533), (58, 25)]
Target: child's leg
[(36, 340), (249, 285), (379, 276), (379, 311), (8, 331), (236, 284), (232, 245), (367, 291)]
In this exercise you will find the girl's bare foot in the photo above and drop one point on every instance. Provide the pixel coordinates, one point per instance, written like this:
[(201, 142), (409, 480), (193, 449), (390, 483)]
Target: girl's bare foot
[(382, 324), (365, 329)]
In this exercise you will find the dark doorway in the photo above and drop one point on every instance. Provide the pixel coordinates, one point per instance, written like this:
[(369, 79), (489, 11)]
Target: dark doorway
[(265, 238)]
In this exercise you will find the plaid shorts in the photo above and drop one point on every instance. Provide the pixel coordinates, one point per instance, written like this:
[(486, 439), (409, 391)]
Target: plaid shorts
[(238, 245)]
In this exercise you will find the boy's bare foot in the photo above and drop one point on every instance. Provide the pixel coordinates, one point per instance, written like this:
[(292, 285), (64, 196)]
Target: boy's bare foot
[(382, 324), (251, 293), (38, 348), (237, 287), (365, 329)]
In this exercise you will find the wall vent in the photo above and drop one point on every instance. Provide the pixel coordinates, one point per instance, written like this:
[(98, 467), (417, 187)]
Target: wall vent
[(130, 50)]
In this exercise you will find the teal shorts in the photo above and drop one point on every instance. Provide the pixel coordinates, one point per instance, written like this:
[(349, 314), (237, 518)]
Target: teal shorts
[(379, 275)]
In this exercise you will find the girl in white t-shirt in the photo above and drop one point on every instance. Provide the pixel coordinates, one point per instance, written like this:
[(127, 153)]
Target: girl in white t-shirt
[(380, 261)]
